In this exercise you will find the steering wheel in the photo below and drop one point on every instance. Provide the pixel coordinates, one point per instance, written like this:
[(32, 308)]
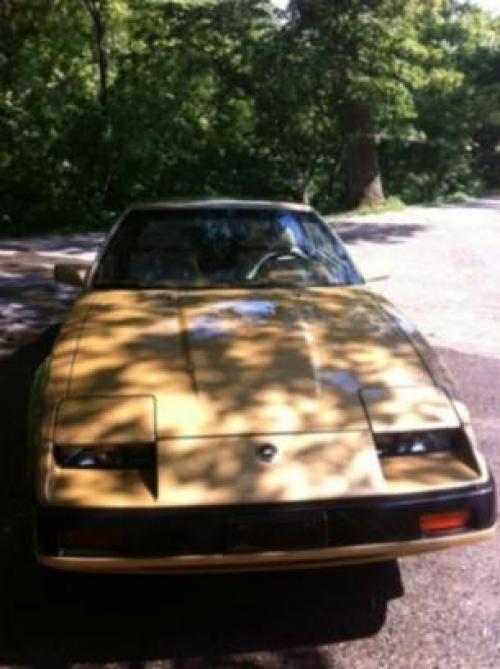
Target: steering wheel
[(293, 252)]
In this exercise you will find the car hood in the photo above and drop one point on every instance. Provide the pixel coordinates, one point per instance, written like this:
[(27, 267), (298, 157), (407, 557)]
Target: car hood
[(212, 377), (233, 362)]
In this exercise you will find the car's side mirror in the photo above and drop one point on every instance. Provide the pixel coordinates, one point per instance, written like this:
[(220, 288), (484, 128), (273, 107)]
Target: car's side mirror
[(373, 278), (71, 274), (373, 270)]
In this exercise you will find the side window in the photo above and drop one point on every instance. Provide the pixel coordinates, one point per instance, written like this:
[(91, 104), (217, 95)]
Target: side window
[(321, 240), (331, 251)]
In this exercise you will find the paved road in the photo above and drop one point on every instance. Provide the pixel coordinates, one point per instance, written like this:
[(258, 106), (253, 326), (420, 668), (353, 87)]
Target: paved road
[(442, 610)]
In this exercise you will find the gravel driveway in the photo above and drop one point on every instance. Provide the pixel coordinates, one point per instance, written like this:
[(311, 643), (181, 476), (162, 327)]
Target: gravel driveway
[(441, 610)]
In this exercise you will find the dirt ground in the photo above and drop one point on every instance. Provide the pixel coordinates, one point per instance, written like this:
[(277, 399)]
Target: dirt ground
[(440, 610)]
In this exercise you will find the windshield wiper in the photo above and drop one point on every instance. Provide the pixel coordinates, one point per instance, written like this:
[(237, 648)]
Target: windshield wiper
[(134, 285), (120, 285)]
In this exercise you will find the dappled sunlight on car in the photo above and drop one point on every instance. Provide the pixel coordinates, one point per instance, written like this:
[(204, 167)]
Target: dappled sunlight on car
[(210, 376)]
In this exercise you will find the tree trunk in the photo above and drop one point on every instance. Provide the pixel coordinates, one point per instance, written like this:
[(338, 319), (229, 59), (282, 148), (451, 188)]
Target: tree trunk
[(364, 180), (96, 10)]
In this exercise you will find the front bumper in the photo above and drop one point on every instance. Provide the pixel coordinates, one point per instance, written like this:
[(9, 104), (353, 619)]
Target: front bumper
[(276, 536)]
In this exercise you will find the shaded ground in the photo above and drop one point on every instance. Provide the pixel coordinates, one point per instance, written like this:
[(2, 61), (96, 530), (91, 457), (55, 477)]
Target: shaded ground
[(382, 233), (445, 275), (29, 298)]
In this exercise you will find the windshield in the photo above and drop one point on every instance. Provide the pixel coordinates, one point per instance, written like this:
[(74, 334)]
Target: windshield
[(223, 247)]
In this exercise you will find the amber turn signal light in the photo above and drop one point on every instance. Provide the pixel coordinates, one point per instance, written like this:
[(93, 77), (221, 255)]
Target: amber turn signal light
[(451, 521)]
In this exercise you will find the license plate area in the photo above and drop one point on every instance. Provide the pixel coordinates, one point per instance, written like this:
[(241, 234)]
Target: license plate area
[(277, 532)]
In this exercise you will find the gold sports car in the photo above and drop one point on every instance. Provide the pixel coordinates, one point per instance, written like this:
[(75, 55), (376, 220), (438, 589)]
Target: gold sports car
[(226, 394)]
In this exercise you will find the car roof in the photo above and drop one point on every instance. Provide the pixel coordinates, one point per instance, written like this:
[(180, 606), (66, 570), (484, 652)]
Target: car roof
[(219, 204)]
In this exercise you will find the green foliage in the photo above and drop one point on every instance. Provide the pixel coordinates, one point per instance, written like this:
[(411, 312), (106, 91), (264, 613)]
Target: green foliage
[(103, 102), (458, 197), (390, 204), (448, 148)]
